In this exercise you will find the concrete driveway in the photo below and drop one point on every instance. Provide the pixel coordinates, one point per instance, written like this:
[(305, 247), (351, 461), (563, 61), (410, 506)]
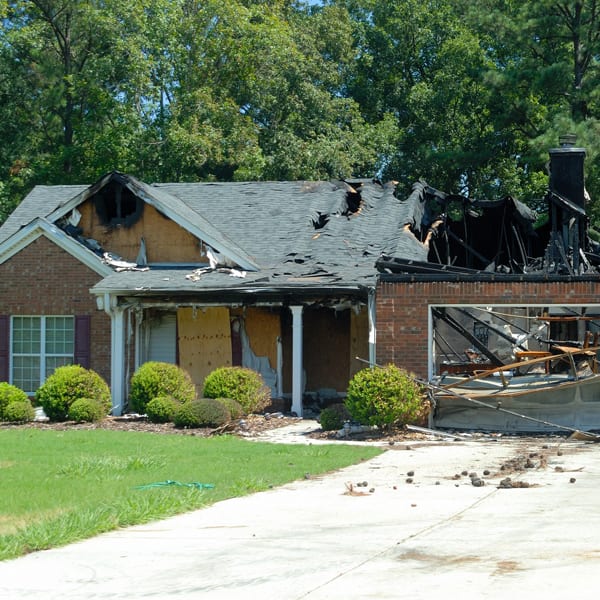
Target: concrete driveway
[(438, 536)]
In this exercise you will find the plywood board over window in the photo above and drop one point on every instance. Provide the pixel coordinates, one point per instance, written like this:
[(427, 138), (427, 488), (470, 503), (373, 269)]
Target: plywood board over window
[(204, 341), (263, 327), (326, 341)]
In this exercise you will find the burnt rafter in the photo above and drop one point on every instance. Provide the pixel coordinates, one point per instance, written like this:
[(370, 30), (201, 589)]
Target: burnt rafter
[(494, 237), (482, 235), (450, 233)]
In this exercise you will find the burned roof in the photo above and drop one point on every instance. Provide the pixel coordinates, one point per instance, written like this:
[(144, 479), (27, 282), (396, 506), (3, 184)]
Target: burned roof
[(282, 235), (325, 235), (458, 235), (303, 235)]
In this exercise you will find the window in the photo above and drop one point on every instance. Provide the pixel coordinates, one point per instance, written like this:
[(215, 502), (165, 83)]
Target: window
[(39, 346)]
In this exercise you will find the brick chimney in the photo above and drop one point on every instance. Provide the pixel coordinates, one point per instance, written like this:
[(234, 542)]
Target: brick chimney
[(566, 170)]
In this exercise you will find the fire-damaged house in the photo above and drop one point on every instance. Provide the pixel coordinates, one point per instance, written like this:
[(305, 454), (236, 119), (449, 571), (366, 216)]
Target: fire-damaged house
[(293, 279), (278, 277)]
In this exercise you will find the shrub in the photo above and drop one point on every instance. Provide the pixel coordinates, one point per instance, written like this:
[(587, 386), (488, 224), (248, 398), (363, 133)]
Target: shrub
[(235, 408), (154, 379), (333, 417), (19, 411), (204, 412), (86, 410), (241, 384), (162, 409), (384, 396), (70, 383), (8, 394)]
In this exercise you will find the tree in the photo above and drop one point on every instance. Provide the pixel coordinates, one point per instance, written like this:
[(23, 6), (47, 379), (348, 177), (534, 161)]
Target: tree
[(260, 94), (422, 65), (82, 63), (545, 74)]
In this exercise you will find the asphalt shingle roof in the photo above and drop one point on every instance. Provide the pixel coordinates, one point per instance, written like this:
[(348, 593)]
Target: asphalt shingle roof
[(299, 234)]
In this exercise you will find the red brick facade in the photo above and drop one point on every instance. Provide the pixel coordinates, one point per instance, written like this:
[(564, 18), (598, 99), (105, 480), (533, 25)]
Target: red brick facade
[(403, 309), (43, 279)]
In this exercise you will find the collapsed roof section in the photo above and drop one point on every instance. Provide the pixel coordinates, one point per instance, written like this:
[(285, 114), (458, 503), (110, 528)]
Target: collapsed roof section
[(460, 235), (457, 234)]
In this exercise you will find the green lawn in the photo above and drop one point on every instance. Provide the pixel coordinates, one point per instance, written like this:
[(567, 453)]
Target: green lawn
[(62, 486)]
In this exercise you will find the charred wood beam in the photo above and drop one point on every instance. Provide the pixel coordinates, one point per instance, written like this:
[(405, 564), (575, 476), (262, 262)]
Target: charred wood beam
[(468, 248), (520, 244), (561, 252), (440, 314), (440, 338)]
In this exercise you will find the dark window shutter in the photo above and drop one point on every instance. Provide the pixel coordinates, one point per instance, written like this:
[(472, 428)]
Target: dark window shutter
[(82, 340), (4, 346)]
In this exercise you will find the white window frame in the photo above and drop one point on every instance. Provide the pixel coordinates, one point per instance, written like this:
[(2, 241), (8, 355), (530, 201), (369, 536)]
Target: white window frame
[(42, 354)]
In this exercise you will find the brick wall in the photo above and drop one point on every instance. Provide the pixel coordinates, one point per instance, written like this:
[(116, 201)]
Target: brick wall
[(402, 309), (43, 279)]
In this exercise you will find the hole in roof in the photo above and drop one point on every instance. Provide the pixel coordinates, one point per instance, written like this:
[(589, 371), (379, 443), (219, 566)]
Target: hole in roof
[(117, 205), (320, 221), (353, 200)]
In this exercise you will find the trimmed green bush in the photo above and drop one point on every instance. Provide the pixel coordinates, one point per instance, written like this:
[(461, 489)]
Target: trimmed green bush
[(19, 411), (154, 379), (204, 412), (384, 396), (70, 383), (333, 417), (235, 408), (162, 409), (86, 410), (241, 384), (10, 393)]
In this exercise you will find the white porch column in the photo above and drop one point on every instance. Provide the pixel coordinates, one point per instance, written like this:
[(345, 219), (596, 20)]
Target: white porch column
[(372, 329), (117, 353), (296, 359)]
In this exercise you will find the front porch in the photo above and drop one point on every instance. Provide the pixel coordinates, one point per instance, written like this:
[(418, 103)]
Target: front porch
[(306, 352)]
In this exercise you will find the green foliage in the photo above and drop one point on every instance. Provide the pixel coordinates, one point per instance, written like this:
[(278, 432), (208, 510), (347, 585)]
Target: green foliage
[(86, 410), (241, 384), (70, 383), (333, 417), (18, 411), (203, 412), (234, 407), (384, 396), (466, 95), (10, 393), (154, 379), (162, 409)]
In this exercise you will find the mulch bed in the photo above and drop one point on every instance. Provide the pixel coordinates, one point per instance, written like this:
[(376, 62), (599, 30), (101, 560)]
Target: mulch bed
[(248, 427)]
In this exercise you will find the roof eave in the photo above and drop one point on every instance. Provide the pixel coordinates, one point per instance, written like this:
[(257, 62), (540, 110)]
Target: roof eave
[(41, 227)]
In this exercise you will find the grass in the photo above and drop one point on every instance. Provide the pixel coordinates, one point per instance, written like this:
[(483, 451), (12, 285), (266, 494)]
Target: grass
[(63, 486)]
